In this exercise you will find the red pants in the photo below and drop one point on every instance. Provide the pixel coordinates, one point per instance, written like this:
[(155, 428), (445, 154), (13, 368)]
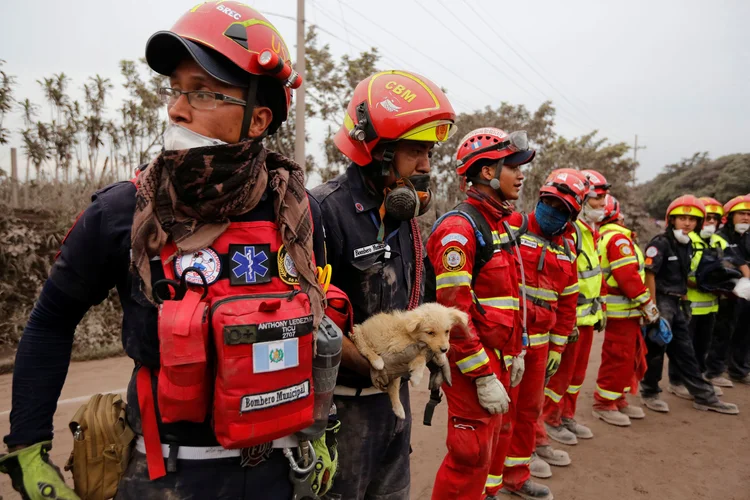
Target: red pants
[(617, 373), (472, 438), (517, 436)]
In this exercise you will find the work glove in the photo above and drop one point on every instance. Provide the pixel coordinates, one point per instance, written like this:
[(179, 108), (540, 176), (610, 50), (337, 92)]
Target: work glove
[(517, 367), (327, 461), (33, 475), (396, 366), (492, 395), (742, 288), (573, 337), (553, 363), (650, 312)]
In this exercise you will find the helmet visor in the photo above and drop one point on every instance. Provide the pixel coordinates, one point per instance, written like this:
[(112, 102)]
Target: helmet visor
[(437, 131)]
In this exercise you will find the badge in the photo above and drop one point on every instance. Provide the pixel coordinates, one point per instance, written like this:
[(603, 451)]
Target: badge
[(454, 259), (672, 257), (626, 251), (529, 243), (287, 269), (250, 264), (652, 252), (368, 250), (263, 400), (458, 238), (206, 260)]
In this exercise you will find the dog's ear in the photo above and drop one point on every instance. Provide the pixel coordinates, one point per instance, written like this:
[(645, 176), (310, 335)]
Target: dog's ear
[(413, 322), (459, 317)]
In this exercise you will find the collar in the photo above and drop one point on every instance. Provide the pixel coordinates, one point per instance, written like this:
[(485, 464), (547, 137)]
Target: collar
[(613, 226), (363, 198), (490, 213)]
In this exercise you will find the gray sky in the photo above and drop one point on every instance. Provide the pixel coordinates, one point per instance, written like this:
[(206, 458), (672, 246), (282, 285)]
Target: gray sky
[(677, 73)]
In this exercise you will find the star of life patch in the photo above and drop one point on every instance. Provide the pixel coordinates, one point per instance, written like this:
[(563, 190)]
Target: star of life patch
[(458, 238), (206, 260), (263, 400), (652, 252), (454, 259)]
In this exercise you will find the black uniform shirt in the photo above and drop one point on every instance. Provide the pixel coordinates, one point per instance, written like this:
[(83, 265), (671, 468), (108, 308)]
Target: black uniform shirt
[(670, 262)]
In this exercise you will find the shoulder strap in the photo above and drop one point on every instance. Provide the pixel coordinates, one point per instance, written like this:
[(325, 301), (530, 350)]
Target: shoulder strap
[(484, 255)]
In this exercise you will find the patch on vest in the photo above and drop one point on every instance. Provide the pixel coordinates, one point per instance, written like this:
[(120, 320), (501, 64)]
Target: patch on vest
[(276, 355), (459, 238), (263, 400), (287, 269), (621, 242), (652, 252), (454, 259), (369, 249), (250, 264), (206, 260), (626, 251)]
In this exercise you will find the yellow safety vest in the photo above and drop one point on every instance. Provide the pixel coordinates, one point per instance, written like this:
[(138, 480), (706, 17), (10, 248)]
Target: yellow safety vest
[(620, 306), (718, 242), (588, 311), (701, 303)]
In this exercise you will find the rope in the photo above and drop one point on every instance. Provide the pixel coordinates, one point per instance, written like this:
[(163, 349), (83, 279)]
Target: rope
[(419, 265)]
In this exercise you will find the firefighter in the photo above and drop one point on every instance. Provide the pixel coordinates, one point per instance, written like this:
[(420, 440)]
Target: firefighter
[(373, 243), (549, 283), (668, 258), (729, 347), (480, 278), (562, 390), (204, 215)]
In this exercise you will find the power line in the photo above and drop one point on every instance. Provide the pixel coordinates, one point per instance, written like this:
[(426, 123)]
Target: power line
[(346, 28)]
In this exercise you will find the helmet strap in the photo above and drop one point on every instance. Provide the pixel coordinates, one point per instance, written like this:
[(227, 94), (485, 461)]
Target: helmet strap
[(494, 183), (251, 99)]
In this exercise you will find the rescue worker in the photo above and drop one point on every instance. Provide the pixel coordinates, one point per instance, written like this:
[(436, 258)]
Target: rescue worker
[(730, 345), (374, 246), (628, 300), (480, 278), (668, 257), (549, 283), (214, 209), (562, 390)]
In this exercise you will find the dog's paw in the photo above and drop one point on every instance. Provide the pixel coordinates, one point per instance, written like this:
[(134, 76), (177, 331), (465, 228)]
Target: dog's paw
[(399, 411), (378, 363)]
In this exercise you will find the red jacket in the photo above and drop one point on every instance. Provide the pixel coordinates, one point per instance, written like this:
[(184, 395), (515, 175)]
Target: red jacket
[(494, 323), (552, 291)]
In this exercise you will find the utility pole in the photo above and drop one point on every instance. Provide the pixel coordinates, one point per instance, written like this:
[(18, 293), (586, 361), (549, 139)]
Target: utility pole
[(13, 178), (636, 147), (299, 142)]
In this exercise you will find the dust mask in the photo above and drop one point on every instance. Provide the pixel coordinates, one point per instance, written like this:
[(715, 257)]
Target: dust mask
[(680, 236), (741, 228), (708, 231), (592, 215), (177, 137)]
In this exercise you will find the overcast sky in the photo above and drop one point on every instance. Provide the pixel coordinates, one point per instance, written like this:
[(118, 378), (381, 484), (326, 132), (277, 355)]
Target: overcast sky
[(677, 73)]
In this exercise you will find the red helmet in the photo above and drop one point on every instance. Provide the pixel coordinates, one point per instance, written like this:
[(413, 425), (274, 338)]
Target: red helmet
[(599, 184), (493, 144), (713, 206), (230, 41), (567, 186), (687, 204), (611, 210), (392, 106), (738, 203)]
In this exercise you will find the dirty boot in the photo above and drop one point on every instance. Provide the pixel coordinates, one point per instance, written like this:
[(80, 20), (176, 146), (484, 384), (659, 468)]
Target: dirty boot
[(531, 491), (613, 417), (539, 468), (558, 458), (720, 382), (633, 412), (680, 391), (560, 434), (717, 390), (718, 407), (655, 403), (580, 430), (744, 380)]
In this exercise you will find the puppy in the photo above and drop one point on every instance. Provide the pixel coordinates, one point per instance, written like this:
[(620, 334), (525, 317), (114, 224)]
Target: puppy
[(393, 332)]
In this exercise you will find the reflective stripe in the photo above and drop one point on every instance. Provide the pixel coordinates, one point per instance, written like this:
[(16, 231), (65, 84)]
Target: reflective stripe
[(696, 305), (623, 262), (471, 363), (627, 389), (493, 481), (630, 313), (458, 278), (538, 339), (589, 273), (552, 395), (558, 339), (611, 395), (573, 389), (583, 300), (541, 241), (508, 361), (617, 299), (539, 293), (569, 290), (500, 302), (515, 461), (643, 298)]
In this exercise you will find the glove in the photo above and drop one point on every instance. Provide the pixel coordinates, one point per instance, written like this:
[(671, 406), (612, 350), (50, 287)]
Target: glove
[(440, 372), (553, 363), (327, 462), (396, 366), (33, 475), (573, 337), (742, 288), (492, 395), (517, 367), (650, 312)]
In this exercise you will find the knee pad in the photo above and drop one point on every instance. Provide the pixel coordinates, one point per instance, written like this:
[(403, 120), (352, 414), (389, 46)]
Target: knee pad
[(469, 442)]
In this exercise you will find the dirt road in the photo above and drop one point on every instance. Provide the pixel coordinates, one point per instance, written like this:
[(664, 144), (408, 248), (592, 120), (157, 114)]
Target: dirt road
[(686, 454)]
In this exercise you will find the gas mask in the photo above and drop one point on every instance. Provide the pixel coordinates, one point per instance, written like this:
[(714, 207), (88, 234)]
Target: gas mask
[(742, 227), (177, 137), (409, 198), (680, 236), (708, 231)]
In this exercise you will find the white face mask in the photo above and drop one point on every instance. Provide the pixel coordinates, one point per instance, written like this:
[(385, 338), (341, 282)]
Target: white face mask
[(707, 231), (741, 228), (680, 236), (177, 137), (591, 215)]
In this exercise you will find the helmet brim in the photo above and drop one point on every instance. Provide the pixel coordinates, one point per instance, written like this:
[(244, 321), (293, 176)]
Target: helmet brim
[(519, 158), (165, 50)]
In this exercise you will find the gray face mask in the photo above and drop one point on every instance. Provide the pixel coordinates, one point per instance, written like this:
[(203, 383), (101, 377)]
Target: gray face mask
[(680, 236), (742, 227), (409, 198), (177, 137)]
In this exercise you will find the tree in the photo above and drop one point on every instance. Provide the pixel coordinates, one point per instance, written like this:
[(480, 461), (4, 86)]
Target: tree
[(94, 123), (7, 83)]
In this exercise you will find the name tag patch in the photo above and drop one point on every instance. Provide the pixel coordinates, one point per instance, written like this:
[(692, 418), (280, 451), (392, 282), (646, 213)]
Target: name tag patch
[(368, 250), (564, 257), (263, 400), (275, 356), (672, 257), (459, 238), (529, 243)]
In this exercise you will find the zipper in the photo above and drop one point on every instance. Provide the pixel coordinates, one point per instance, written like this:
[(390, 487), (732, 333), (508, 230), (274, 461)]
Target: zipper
[(289, 296)]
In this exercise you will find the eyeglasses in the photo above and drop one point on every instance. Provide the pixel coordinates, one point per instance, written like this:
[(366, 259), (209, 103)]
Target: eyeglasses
[(198, 99)]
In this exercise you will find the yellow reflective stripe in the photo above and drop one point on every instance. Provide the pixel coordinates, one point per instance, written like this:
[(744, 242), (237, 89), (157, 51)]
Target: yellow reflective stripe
[(508, 361), (569, 290), (643, 298), (493, 481), (584, 310), (500, 302), (457, 278), (573, 389), (538, 339), (616, 264), (539, 293), (627, 389), (515, 461), (611, 395), (471, 363), (558, 339), (552, 395)]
